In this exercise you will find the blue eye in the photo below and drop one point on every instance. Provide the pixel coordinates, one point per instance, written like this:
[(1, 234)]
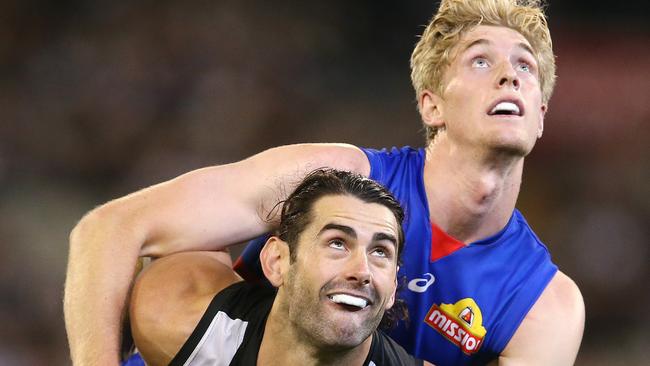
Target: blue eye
[(480, 62), (524, 67)]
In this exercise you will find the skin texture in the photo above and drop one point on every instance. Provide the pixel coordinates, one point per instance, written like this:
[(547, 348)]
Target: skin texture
[(472, 177), (348, 248)]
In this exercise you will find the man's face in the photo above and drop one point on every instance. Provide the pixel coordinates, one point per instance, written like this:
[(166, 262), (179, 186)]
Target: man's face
[(344, 275), (492, 95)]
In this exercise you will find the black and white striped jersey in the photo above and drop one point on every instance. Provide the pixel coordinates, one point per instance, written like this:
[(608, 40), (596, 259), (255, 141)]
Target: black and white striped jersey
[(231, 331)]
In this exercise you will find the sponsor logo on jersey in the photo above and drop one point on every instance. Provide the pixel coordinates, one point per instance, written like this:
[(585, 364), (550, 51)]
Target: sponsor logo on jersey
[(421, 284), (461, 323)]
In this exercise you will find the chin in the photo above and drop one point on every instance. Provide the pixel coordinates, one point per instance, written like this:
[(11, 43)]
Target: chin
[(345, 338), (512, 145), (512, 149), (346, 333)]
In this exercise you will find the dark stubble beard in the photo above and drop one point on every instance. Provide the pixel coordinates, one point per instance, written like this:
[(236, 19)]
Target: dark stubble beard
[(308, 316)]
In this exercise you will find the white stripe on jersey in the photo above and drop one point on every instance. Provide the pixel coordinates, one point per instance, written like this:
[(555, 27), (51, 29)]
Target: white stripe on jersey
[(220, 342)]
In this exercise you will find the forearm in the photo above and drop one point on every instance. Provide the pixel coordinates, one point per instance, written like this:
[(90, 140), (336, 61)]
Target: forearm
[(101, 263)]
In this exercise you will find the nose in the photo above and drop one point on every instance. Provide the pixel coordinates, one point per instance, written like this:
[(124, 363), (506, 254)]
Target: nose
[(508, 77), (358, 268)]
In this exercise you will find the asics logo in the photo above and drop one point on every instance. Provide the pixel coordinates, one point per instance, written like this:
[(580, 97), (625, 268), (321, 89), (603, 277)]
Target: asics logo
[(421, 284)]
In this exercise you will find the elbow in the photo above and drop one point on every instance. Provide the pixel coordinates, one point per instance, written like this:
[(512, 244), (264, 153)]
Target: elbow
[(82, 228), (103, 227), (89, 224)]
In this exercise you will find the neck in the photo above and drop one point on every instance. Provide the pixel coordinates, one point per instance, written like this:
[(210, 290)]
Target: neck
[(471, 194), (283, 344)]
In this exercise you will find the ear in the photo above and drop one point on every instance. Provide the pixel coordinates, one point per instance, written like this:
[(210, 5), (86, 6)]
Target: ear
[(432, 109), (274, 259), (540, 127)]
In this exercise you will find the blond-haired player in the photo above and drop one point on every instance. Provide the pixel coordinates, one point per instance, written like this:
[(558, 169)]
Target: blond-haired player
[(480, 285)]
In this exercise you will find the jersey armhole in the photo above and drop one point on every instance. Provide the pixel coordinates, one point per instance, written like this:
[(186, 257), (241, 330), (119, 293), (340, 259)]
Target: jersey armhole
[(524, 307)]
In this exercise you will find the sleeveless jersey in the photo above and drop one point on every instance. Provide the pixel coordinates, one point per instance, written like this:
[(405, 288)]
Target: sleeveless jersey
[(465, 301), (231, 330)]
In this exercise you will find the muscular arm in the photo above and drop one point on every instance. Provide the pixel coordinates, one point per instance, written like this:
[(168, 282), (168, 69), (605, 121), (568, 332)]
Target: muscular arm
[(170, 297), (552, 331), (207, 209)]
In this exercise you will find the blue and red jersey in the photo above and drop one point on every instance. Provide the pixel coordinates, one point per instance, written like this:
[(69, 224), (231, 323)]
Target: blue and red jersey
[(465, 301)]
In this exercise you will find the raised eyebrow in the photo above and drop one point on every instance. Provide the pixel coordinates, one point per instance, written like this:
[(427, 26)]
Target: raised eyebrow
[(352, 233), (528, 49), (482, 41), (386, 237), (346, 229), (478, 42)]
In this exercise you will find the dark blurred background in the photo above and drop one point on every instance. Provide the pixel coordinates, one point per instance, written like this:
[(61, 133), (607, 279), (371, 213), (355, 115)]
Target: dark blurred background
[(101, 98)]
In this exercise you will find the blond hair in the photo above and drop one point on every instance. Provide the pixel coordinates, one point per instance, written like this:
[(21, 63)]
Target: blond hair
[(433, 52)]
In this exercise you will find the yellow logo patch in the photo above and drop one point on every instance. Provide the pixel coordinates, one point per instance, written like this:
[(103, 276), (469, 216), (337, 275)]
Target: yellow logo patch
[(461, 323)]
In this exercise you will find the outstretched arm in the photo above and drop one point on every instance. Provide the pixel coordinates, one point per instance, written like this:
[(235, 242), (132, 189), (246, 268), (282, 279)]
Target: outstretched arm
[(206, 209), (552, 331)]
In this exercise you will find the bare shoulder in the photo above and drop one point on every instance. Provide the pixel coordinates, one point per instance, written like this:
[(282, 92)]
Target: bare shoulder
[(169, 298), (551, 332), (561, 299), (563, 293)]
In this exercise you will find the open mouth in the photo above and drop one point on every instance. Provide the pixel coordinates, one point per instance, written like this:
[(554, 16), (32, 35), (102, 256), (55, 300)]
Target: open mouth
[(349, 302), (506, 108)]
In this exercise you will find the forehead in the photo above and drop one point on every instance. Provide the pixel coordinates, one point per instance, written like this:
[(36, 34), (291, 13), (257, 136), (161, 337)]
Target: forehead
[(493, 36), (363, 217)]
